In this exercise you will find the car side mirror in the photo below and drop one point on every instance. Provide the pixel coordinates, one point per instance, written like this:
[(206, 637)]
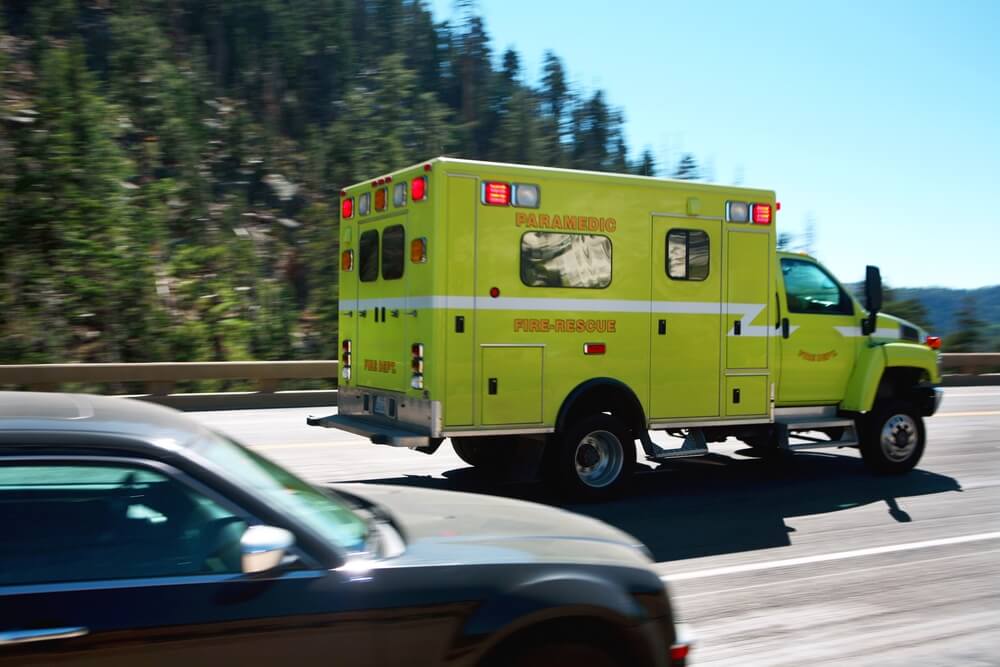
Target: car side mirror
[(873, 297), (262, 548)]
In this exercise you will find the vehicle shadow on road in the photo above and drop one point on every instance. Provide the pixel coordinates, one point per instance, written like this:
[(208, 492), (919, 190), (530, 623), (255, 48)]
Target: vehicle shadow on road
[(720, 504)]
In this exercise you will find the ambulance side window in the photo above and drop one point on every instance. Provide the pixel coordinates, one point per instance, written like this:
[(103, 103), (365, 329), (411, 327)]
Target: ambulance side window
[(393, 242), (550, 259), (368, 259), (810, 289), (687, 254)]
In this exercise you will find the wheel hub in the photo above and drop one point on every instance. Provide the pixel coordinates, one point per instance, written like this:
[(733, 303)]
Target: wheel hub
[(599, 459), (899, 437)]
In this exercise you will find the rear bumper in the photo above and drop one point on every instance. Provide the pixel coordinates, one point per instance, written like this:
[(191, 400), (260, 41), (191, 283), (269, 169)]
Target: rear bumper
[(385, 418), (378, 433)]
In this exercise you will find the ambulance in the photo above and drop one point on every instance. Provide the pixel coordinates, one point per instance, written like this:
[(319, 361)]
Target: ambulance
[(505, 306)]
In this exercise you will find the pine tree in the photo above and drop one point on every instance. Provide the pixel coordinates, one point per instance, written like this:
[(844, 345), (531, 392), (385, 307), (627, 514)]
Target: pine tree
[(969, 336), (687, 168)]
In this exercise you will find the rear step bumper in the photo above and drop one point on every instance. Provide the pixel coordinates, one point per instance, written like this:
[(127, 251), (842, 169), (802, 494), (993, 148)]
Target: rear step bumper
[(378, 433)]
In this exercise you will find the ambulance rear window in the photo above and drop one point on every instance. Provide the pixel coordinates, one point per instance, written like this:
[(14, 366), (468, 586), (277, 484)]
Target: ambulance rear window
[(393, 245), (550, 259), (368, 256)]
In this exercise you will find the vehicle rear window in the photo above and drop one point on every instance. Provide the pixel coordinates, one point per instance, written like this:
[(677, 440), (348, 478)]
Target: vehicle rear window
[(368, 259), (393, 246), (687, 254), (551, 259)]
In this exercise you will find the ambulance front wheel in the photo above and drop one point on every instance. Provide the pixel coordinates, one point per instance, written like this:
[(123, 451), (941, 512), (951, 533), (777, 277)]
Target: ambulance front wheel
[(594, 458), (892, 437)]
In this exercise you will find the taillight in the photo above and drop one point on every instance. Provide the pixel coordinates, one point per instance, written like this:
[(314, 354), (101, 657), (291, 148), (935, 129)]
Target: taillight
[(760, 214), (418, 251), (496, 193), (347, 208), (933, 342), (345, 360), (418, 189), (347, 260), (417, 365)]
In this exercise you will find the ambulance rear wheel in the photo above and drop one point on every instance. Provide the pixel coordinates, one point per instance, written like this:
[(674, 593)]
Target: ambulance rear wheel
[(594, 458), (484, 452)]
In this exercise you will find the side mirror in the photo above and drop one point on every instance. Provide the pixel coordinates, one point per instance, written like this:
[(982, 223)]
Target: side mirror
[(873, 297), (262, 548)]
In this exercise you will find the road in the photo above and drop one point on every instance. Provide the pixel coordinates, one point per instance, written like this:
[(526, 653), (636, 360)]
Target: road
[(807, 561)]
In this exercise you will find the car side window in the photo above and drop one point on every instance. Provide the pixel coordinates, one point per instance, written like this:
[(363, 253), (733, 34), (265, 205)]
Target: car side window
[(90, 521), (810, 289)]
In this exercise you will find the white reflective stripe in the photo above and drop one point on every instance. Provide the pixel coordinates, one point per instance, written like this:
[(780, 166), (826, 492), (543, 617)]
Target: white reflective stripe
[(855, 332), (748, 312), (561, 305)]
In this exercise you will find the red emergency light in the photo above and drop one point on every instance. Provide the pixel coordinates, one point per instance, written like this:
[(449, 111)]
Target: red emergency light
[(418, 189), (595, 348), (496, 193), (760, 214), (347, 208)]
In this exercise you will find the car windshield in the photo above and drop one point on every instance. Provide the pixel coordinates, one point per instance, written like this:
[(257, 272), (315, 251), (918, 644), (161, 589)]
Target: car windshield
[(320, 510)]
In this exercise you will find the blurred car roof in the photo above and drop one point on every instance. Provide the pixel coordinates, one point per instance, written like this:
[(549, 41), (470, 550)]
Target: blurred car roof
[(86, 414)]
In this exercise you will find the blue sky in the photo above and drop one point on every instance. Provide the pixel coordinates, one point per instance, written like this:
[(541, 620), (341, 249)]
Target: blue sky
[(880, 120)]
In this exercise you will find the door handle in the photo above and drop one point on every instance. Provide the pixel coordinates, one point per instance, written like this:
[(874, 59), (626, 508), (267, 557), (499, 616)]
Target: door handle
[(12, 637), (737, 327), (459, 324), (394, 313), (663, 327), (785, 328), (362, 313), (492, 387), (383, 313)]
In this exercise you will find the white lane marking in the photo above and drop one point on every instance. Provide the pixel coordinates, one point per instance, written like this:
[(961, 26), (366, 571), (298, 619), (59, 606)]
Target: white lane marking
[(840, 575), (823, 558), (980, 413)]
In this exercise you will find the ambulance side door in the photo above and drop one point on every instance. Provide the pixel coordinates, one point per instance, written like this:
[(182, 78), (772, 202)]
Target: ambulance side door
[(686, 307)]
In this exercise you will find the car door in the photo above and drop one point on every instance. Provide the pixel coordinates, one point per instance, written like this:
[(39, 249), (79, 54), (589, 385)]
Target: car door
[(820, 338), (108, 561)]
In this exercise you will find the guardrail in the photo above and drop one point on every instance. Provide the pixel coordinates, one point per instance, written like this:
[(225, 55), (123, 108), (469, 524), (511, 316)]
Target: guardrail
[(158, 381), (970, 368)]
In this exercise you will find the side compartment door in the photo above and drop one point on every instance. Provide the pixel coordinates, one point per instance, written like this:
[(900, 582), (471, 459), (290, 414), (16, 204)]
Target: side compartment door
[(748, 324), (686, 306), (460, 232)]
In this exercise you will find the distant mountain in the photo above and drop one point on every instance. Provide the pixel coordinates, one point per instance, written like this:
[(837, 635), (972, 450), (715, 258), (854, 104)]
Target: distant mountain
[(942, 303)]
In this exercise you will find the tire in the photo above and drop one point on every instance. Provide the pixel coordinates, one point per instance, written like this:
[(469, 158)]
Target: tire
[(483, 452), (558, 653), (892, 437), (593, 459)]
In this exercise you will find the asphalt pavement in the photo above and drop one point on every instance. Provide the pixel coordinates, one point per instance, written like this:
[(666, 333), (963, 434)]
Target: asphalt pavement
[(809, 560)]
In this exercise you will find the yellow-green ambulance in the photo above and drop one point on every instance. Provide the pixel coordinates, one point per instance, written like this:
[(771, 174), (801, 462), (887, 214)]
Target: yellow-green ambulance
[(502, 305)]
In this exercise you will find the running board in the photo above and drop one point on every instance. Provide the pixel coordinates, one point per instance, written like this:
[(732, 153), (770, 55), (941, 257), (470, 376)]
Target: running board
[(694, 445), (788, 429)]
